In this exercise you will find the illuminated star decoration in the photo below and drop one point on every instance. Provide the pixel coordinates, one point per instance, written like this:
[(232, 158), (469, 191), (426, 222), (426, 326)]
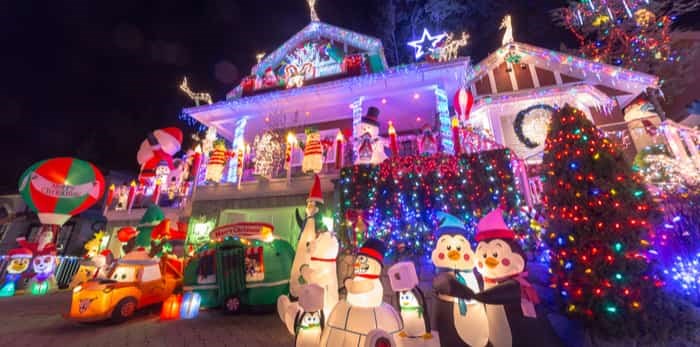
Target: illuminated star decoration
[(431, 40)]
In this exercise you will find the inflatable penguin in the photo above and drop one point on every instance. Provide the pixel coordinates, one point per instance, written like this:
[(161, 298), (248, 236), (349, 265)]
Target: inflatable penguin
[(460, 322), (309, 321), (322, 269), (410, 300), (510, 300)]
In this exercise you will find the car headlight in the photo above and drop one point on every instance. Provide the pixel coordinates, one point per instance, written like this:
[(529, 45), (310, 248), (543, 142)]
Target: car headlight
[(77, 289), (108, 289)]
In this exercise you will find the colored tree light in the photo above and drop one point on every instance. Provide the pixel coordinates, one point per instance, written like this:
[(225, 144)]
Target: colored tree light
[(397, 200), (599, 217), (685, 273)]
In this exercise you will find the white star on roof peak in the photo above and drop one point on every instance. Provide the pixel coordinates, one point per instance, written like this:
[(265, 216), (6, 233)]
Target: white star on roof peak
[(433, 40)]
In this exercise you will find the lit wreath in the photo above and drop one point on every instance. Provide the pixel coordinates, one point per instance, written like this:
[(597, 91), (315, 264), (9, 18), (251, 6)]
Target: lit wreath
[(518, 123)]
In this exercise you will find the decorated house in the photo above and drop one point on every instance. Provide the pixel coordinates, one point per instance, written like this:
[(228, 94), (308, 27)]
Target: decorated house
[(333, 86)]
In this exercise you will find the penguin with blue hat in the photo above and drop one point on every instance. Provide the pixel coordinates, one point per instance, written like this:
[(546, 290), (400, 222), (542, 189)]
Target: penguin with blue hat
[(460, 322)]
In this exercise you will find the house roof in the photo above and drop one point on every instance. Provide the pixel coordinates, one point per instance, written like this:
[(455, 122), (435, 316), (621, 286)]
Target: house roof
[(319, 29), (613, 80)]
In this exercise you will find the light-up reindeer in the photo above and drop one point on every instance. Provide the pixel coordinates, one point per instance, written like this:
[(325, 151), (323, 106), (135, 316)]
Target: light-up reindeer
[(508, 35), (312, 8), (451, 47), (196, 97)]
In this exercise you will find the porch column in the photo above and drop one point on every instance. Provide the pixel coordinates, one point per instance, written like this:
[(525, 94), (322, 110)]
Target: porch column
[(356, 120), (674, 142), (443, 112)]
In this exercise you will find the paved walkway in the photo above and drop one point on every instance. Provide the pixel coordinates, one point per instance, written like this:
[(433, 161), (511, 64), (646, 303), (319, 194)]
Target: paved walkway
[(36, 321)]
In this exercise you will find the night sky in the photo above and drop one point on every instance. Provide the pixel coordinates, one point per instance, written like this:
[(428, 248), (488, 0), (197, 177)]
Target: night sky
[(91, 78)]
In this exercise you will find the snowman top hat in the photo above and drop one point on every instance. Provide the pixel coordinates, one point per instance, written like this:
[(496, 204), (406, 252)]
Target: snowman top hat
[(373, 248), (492, 226), (372, 116)]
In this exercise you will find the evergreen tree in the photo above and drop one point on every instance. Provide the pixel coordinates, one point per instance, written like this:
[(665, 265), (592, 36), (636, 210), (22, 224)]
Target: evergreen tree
[(635, 34), (599, 214)]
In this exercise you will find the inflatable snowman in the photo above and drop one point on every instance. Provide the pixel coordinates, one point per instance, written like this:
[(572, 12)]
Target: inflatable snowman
[(363, 319), (369, 146), (460, 322)]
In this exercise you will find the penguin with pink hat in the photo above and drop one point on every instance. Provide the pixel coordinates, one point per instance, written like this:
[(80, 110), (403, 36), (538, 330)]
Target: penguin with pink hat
[(509, 298)]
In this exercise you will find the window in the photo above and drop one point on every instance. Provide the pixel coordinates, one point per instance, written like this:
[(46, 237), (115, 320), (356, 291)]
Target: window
[(150, 273)]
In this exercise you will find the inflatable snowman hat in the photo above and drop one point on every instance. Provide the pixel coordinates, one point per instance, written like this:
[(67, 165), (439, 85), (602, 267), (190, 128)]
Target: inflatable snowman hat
[(499, 254), (370, 259), (372, 116)]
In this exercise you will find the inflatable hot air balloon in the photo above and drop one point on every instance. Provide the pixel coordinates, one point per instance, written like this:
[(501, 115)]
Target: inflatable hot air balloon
[(57, 189), (463, 102)]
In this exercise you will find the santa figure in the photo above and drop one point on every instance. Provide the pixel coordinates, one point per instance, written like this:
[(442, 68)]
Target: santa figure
[(427, 141), (313, 152), (218, 158), (270, 78), (370, 147)]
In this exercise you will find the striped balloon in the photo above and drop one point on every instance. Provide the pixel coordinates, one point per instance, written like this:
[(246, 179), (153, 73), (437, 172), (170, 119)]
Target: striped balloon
[(59, 188)]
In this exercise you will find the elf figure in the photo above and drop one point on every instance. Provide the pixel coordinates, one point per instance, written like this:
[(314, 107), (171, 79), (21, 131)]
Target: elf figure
[(427, 141), (460, 322), (370, 147), (309, 321), (313, 151), (510, 299), (20, 258), (218, 158), (410, 300)]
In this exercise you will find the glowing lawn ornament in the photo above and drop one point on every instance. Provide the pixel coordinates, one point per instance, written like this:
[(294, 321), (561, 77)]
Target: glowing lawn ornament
[(432, 40), (450, 48), (171, 308), (189, 307)]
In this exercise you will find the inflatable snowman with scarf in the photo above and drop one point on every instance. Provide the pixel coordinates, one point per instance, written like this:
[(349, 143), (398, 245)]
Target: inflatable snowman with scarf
[(460, 322), (363, 319), (509, 298)]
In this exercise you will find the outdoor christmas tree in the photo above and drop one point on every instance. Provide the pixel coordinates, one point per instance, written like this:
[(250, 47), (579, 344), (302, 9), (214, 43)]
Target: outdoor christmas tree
[(635, 34), (599, 214)]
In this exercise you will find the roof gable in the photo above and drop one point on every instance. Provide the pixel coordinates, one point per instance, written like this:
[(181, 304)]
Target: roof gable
[(313, 31), (570, 69)]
